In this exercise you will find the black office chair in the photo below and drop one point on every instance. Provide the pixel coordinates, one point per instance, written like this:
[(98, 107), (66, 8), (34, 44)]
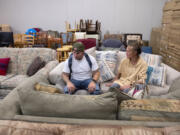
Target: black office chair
[(6, 39)]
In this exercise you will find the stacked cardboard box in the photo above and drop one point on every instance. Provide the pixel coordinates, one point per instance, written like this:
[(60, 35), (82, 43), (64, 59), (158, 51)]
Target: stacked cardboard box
[(173, 49), (5, 28), (169, 46), (155, 40)]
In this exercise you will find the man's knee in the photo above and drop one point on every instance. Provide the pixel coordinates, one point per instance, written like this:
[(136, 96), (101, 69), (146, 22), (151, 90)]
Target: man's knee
[(115, 85), (66, 91)]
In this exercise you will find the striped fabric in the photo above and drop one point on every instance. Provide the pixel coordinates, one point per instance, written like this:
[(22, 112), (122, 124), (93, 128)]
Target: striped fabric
[(105, 72), (110, 57), (152, 59)]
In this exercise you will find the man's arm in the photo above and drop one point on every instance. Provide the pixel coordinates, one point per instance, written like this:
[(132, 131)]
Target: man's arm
[(69, 84), (95, 78), (65, 77), (96, 75)]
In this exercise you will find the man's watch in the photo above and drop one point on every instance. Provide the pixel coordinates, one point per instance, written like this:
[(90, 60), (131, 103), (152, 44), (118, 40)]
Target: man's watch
[(94, 80)]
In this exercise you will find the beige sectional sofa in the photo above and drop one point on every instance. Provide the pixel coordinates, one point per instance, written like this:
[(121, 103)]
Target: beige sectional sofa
[(20, 60), (24, 103)]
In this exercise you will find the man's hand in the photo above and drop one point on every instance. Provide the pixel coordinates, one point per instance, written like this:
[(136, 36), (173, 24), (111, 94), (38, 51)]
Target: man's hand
[(91, 86), (71, 87)]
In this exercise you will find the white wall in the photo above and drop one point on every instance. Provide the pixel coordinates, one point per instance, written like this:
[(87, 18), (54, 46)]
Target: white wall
[(116, 16)]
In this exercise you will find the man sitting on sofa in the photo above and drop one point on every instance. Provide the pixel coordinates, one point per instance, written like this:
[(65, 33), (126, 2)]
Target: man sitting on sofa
[(81, 72), (132, 69)]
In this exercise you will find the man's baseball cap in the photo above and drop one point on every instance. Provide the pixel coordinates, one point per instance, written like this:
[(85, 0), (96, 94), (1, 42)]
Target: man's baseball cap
[(79, 47)]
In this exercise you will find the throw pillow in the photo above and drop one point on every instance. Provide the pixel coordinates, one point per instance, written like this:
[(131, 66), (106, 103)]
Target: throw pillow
[(149, 71), (110, 57), (4, 65), (105, 72), (46, 88), (152, 59), (158, 76), (35, 66)]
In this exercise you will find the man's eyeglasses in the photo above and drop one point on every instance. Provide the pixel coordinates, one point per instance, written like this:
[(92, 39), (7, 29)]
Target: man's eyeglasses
[(77, 52)]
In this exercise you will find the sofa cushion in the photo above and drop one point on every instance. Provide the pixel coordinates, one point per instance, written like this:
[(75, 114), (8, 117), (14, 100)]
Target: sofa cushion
[(173, 92), (175, 85), (3, 78), (171, 74), (152, 59), (27, 55), (13, 54), (4, 93), (55, 74), (158, 76), (4, 65), (36, 64), (59, 105), (105, 72), (13, 81), (110, 57), (48, 67), (150, 110), (114, 43), (157, 90), (91, 51)]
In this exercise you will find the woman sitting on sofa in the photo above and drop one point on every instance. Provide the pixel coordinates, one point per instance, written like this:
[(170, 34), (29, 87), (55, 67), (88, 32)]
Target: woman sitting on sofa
[(132, 69)]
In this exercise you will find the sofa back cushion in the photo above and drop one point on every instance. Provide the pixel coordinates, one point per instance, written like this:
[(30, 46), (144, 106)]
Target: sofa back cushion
[(11, 53), (60, 105), (175, 86), (27, 55), (171, 74), (55, 75)]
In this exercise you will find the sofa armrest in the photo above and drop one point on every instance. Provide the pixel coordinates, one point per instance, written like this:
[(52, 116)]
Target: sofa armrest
[(49, 66), (9, 106), (171, 74)]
